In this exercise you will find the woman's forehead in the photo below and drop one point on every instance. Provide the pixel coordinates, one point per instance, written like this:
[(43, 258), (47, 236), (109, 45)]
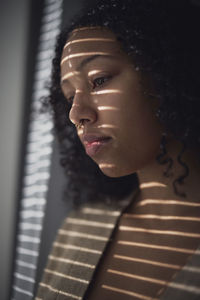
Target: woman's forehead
[(85, 42), (90, 39), (91, 32)]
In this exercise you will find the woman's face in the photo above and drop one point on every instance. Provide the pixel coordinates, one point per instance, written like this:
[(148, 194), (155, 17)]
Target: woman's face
[(119, 128)]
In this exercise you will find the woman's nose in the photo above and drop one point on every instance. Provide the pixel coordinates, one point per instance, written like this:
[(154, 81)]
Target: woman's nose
[(82, 110)]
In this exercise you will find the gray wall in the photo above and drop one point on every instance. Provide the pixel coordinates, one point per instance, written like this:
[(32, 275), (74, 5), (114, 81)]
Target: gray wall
[(14, 22)]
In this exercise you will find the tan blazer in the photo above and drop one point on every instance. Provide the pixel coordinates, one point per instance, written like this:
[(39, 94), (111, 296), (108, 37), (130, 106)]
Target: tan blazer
[(79, 246)]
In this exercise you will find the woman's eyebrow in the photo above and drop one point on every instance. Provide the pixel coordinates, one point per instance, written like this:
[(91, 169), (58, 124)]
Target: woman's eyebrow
[(82, 64), (91, 58), (86, 61)]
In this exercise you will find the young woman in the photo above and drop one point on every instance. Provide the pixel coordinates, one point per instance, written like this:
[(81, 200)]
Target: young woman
[(125, 96)]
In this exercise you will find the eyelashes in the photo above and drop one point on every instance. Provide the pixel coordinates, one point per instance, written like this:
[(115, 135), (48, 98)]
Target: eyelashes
[(99, 81), (95, 84)]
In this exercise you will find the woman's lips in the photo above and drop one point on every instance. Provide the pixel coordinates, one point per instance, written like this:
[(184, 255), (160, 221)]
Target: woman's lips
[(94, 144)]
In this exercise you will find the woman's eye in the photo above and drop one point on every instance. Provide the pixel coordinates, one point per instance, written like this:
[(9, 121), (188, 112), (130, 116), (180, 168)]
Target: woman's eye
[(100, 81)]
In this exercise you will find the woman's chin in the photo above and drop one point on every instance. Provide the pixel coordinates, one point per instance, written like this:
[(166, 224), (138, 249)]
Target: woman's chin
[(114, 171)]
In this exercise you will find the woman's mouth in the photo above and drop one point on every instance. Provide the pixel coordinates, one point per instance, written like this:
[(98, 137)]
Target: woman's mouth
[(94, 144)]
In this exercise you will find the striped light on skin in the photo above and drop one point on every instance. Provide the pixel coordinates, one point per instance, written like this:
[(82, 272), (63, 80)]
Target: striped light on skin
[(106, 166), (107, 126), (69, 75), (94, 72), (71, 56), (76, 30), (88, 40), (103, 92), (107, 108)]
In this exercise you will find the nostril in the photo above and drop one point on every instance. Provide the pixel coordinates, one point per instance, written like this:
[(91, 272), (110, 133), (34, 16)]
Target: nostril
[(82, 121)]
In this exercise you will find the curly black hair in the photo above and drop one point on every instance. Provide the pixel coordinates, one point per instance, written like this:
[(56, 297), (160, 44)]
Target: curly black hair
[(161, 37)]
